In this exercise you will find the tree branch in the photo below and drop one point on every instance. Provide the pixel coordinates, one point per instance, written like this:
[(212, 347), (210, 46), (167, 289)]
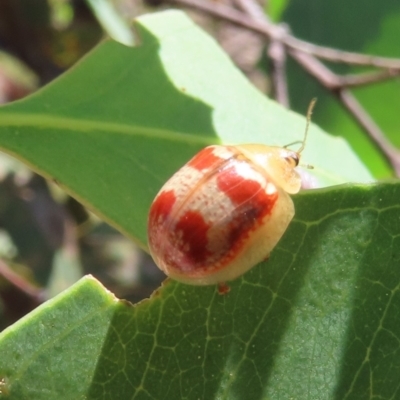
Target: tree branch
[(307, 54), (20, 283), (276, 53), (375, 133), (275, 32)]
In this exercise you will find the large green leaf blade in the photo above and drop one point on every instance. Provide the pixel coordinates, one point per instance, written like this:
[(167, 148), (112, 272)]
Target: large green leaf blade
[(52, 352), (316, 321), (115, 127)]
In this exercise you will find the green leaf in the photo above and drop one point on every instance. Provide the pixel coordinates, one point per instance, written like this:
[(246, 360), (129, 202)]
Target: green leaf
[(318, 320), (111, 21), (114, 128), (47, 342)]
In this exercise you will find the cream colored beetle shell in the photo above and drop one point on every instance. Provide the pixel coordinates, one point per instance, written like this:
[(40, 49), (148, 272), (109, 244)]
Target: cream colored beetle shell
[(223, 212)]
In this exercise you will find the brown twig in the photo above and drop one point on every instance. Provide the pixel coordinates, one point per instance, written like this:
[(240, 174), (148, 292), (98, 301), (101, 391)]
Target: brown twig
[(340, 56), (307, 54), (273, 31), (333, 81), (276, 53), (20, 283), (339, 85), (250, 8), (349, 81), (317, 69), (376, 134)]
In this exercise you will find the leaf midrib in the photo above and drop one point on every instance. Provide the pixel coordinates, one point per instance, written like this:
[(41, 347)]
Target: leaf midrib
[(87, 125)]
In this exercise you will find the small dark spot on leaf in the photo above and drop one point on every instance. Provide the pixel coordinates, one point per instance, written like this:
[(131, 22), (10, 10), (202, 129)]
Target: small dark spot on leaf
[(223, 288)]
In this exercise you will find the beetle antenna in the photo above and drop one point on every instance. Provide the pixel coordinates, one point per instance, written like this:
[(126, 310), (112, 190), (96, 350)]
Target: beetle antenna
[(309, 113)]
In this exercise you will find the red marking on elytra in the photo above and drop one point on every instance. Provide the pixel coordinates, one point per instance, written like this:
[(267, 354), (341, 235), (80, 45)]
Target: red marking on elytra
[(237, 187), (253, 204), (206, 159), (194, 236), (162, 205)]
